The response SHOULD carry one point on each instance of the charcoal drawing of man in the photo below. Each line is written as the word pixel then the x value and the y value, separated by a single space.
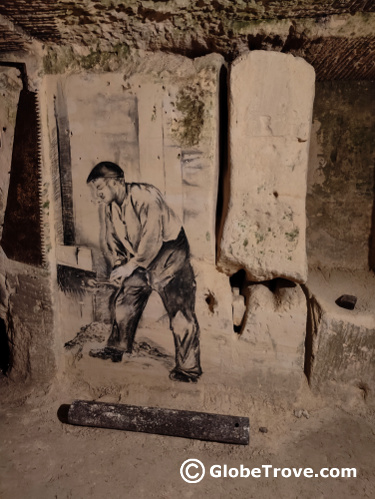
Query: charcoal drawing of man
pixel 150 252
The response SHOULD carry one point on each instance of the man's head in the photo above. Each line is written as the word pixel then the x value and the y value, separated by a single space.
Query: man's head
pixel 107 182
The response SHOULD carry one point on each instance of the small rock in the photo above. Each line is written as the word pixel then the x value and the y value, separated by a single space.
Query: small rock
pixel 301 412
pixel 346 301
pixel 263 429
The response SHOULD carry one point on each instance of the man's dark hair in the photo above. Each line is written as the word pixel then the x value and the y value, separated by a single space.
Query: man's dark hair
pixel 105 169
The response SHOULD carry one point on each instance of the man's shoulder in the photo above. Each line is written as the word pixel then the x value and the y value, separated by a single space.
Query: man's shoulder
pixel 143 194
pixel 137 190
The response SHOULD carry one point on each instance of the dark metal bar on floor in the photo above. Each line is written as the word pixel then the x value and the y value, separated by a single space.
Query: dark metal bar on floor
pixel 177 423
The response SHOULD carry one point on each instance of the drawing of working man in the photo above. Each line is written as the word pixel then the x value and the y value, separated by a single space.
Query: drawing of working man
pixel 150 253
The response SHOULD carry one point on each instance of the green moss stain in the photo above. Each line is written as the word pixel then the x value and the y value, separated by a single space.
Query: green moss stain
pixel 58 61
pixel 288 215
pixel 188 129
pixel 208 236
pixel 292 235
pixel 259 237
pixel 245 243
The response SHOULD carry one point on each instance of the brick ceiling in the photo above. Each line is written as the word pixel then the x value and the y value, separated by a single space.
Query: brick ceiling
pixel 336 36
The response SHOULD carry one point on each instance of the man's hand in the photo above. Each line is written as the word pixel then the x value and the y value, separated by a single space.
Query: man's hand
pixel 92 283
pixel 122 272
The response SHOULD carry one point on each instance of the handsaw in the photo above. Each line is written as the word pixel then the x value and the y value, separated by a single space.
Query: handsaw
pixel 22 237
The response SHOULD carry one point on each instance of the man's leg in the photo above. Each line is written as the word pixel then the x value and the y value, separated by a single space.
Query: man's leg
pixel 178 297
pixel 186 338
pixel 128 305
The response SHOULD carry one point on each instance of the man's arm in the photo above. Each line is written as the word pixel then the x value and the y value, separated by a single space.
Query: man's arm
pixel 148 205
pixel 112 247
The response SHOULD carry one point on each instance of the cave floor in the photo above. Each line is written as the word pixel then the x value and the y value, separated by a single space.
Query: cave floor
pixel 41 457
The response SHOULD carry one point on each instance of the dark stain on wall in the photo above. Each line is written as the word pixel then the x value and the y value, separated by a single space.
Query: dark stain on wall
pixel 5 359
pixel 65 166
pixel 341 177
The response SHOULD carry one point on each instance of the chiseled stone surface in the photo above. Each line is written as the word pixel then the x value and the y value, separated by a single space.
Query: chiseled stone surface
pixel 341 341
pixel 275 327
pixel 271 99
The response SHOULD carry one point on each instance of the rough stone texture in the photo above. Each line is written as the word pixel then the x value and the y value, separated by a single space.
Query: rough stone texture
pixel 271 97
pixel 12 37
pixel 29 321
pixel 338 47
pixel 337 37
pixel 341 343
pixel 55 20
pixel 275 327
pixel 340 196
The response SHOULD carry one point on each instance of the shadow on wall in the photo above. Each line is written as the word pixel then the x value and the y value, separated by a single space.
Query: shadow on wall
pixel 372 235
pixel 5 356
pixel 340 197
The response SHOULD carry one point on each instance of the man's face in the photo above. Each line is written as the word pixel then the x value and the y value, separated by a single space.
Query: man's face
pixel 103 190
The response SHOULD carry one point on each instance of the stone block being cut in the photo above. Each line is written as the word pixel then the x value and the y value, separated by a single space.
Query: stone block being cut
pixel 271 99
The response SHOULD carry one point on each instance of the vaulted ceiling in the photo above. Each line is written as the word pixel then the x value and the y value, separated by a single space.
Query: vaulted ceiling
pixel 336 36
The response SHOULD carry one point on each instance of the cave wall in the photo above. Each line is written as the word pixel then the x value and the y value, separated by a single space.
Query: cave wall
pixel 25 285
pixel 162 119
pixel 112 109
pixel 340 207
pixel 340 196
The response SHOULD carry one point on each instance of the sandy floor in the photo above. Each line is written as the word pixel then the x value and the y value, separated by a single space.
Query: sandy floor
pixel 41 457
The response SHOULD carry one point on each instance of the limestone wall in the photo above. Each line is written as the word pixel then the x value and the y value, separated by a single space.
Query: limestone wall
pixel 340 247
pixel 233 312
